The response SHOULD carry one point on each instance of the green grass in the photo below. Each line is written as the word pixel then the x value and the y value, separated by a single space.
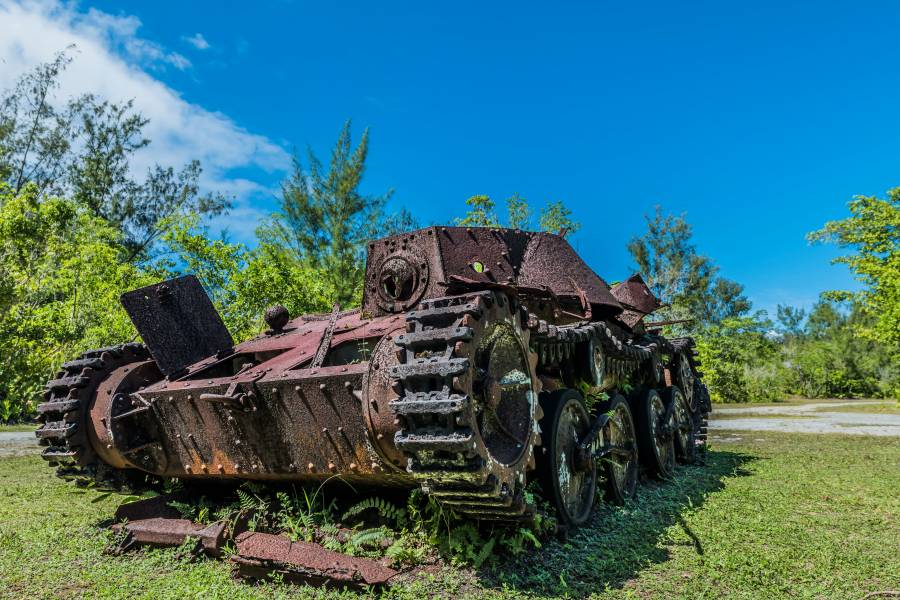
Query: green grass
pixel 792 401
pixel 19 427
pixel 889 407
pixel 790 516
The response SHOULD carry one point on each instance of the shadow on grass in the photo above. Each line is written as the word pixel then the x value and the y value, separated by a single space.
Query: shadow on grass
pixel 619 542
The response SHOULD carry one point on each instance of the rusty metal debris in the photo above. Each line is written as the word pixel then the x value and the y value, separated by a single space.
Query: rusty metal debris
pixel 438 381
pixel 153 522
pixel 165 532
pixel 260 554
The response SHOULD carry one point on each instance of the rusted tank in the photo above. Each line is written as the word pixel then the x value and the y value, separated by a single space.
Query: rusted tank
pixel 480 360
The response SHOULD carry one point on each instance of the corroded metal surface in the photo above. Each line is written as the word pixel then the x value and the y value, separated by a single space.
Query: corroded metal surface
pixel 153 522
pixel 259 555
pixel 443 260
pixel 166 532
pixel 636 299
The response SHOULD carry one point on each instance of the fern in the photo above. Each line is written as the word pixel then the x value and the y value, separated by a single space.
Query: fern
pixel 484 553
pixel 332 544
pixel 368 538
pixel 185 509
pixel 385 510
pixel 225 513
pixel 246 501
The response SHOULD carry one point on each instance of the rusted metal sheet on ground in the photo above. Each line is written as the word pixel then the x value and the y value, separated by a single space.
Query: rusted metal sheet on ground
pixel 154 522
pixel 167 532
pixel 260 554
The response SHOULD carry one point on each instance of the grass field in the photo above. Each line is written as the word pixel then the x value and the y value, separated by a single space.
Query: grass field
pixel 771 515
pixel 888 407
pixel 19 427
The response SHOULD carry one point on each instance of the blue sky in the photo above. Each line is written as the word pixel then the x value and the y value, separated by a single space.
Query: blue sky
pixel 758 120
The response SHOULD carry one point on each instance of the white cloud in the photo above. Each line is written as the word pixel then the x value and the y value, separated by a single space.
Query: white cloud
pixel 197 41
pixel 112 61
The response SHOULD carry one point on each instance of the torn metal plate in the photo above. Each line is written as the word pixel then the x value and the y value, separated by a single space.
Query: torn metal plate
pixel 178 322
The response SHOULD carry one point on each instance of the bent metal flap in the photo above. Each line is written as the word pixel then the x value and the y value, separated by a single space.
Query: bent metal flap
pixel 178 322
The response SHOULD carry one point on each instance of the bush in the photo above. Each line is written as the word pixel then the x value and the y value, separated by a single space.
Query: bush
pixel 61 274
pixel 739 361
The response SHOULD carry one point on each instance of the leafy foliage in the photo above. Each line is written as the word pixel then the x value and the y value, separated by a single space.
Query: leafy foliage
pixel 382 507
pixel 61 274
pixel 827 358
pixel 554 217
pixel 243 282
pixel 739 360
pixel 872 231
pixel 325 221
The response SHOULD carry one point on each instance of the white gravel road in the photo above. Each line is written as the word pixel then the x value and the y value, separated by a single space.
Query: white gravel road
pixel 18 443
pixel 812 417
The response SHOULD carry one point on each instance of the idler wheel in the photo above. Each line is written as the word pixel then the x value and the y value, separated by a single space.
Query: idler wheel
pixel 620 467
pixel 568 475
pixel 655 428
pixel 684 434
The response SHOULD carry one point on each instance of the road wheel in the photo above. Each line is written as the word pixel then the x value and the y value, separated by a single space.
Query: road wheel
pixel 685 434
pixel 567 475
pixel 620 466
pixel 655 427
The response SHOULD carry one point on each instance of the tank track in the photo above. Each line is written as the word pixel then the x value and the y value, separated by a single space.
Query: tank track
pixel 437 411
pixel 63 416
pixel 555 344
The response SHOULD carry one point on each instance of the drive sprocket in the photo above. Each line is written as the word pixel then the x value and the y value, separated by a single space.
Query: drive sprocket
pixel 468 406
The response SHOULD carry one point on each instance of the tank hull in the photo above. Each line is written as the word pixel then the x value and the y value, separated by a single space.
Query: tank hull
pixel 440 380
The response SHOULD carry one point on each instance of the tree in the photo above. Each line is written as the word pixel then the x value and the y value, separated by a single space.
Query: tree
pixel 34 134
pixel 685 281
pixel 829 360
pixel 481 213
pixel 242 282
pixel 740 362
pixel 872 232
pixel 556 218
pixel 84 151
pixel 518 211
pixel 325 221
pixel 790 320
